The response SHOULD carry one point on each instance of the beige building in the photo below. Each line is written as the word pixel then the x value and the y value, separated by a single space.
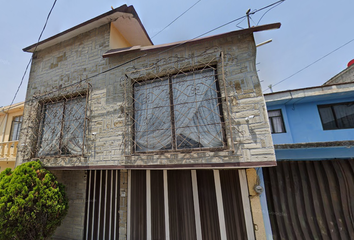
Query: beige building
pixel 152 142
pixel 10 126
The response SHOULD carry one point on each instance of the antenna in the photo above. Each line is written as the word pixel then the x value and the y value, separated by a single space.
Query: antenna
pixel 248 17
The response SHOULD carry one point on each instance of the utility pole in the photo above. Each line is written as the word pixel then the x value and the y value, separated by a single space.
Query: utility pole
pixel 248 17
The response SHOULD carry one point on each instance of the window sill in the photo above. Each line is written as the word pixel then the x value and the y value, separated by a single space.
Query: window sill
pixel 52 161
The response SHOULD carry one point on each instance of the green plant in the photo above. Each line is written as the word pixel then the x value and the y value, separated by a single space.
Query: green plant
pixel 32 202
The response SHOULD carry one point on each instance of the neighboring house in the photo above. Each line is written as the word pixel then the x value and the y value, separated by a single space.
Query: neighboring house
pixel 10 126
pixel 152 142
pixel 309 193
pixel 347 75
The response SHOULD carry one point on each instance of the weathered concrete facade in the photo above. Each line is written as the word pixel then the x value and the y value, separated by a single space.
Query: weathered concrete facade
pixel 249 141
pixel 72 226
pixel 85 64
pixel 345 76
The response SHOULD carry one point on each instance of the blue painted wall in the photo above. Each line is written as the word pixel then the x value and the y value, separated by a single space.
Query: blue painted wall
pixel 303 123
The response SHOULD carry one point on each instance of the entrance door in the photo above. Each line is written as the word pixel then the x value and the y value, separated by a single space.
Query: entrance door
pixel 185 204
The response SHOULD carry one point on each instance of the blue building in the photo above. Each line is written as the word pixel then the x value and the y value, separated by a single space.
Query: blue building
pixel 308 195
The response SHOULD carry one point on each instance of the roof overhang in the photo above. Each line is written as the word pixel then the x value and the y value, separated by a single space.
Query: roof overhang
pixel 315 150
pixel 114 52
pixel 310 94
pixel 12 108
pixel 124 18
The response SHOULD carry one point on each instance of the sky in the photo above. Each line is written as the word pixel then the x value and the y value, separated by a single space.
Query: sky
pixel 310 30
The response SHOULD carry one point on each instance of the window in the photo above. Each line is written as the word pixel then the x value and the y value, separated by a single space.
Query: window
pixel 276 121
pixel 62 127
pixel 178 112
pixel 15 128
pixel 337 116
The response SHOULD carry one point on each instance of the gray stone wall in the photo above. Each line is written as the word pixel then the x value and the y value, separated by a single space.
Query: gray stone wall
pixel 345 76
pixel 72 226
pixel 108 135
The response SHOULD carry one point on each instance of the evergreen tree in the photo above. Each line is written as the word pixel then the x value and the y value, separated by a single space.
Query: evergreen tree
pixel 32 202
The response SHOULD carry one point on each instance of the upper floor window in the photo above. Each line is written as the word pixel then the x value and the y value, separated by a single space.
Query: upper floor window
pixel 15 128
pixel 62 127
pixel 178 112
pixel 337 116
pixel 276 121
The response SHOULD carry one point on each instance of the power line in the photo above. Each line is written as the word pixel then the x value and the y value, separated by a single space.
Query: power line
pixel 175 19
pixel 144 55
pixel 302 69
pixel 30 61
pixel 276 5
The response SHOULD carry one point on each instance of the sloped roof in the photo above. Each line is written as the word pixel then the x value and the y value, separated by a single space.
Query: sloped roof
pixel 124 18
pixel 113 52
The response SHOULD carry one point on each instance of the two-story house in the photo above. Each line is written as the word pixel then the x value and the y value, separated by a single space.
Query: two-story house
pixel 308 193
pixel 10 126
pixel 152 142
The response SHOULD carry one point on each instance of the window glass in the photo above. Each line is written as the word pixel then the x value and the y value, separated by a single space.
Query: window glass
pixel 337 116
pixel 15 128
pixel 152 116
pixel 179 112
pixel 276 121
pixel 62 128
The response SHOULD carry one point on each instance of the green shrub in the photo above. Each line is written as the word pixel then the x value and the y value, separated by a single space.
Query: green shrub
pixel 32 202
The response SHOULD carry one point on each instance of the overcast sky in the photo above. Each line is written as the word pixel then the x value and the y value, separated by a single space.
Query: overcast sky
pixel 310 29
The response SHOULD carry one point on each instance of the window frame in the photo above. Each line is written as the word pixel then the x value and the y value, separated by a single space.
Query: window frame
pixel 42 107
pixel 19 129
pixel 271 120
pixel 331 105
pixel 173 129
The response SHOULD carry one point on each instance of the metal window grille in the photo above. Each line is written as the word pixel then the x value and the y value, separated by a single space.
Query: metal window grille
pixel 55 123
pixel 179 110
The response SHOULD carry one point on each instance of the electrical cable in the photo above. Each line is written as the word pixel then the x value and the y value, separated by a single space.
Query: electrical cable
pixel 269 10
pixel 175 19
pixel 30 61
pixel 302 69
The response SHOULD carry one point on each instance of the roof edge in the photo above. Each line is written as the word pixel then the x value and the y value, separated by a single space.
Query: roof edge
pixel 123 9
pixel 6 109
pixel 271 26
pixel 290 94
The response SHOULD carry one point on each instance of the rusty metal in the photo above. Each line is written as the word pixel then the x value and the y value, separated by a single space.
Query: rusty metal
pixel 227 103
pixel 62 113
pixel 311 199
pixel 137 77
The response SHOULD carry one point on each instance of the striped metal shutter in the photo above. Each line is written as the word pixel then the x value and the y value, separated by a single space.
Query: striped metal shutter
pixel 311 199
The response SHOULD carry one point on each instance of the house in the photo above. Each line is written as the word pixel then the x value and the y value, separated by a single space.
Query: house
pixel 10 125
pixel 152 142
pixel 308 193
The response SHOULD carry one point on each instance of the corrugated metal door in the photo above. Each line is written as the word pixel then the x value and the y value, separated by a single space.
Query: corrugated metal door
pixel 186 204
pixel 311 199
pixel 102 205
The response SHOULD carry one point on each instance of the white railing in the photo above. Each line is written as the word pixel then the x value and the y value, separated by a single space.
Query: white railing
pixel 8 149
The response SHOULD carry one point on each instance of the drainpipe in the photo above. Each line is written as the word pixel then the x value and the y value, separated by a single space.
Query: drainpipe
pixel 3 132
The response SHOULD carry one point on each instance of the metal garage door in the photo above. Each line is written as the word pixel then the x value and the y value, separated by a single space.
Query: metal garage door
pixel 311 199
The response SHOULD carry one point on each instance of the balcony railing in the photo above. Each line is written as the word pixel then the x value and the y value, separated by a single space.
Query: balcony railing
pixel 8 149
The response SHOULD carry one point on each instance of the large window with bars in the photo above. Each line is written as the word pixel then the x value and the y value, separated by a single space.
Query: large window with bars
pixel 178 112
pixel 61 132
